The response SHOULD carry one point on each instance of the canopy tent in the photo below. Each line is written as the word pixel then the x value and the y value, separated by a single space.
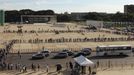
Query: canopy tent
pixel 83 61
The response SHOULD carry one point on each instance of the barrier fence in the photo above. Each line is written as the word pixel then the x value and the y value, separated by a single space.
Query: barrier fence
pixel 114 65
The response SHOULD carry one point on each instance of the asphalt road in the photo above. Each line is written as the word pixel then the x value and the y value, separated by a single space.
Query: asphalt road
pixel 26 59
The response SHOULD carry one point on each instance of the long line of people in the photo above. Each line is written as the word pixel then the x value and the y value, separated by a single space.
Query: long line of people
pixel 45 31
pixel 33 67
pixel 63 40
pixel 70 31
pixel 4 52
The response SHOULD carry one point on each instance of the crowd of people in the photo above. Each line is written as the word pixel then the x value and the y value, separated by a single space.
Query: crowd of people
pixel 69 31
pixel 22 67
pixel 37 67
pixel 4 52
pixel 118 32
pixel 45 31
pixel 63 40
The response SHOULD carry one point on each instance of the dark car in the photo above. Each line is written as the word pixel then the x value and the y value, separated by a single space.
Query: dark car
pixel 68 52
pixel 79 54
pixel 37 56
pixel 61 55
pixel 86 51
pixel 45 53
pixel 133 50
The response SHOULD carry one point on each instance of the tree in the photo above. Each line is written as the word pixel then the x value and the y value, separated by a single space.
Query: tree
pixel 26 12
pixel 12 16
pixel 44 12
pixel 118 17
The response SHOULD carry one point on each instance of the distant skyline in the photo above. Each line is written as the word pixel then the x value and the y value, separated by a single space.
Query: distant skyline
pixel 61 6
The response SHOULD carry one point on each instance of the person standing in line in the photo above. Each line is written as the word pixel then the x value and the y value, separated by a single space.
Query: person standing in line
pixel 66 65
pixel 47 68
pixel 32 66
pixel 19 54
pixel 98 64
pixel 8 66
pixel 16 66
pixel 71 65
pixel 24 68
pixel 38 66
pixel 58 68
pixel 11 65
pixel 109 64
pixel 19 67
pixel 89 69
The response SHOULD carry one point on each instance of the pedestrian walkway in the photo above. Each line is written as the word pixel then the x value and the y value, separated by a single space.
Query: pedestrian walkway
pixel 116 72
pixel 30 72
pixel 42 72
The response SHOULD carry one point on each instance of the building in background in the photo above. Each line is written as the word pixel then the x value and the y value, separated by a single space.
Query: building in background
pixel 129 9
pixel 2 17
pixel 38 19
pixel 97 24
pixel 78 16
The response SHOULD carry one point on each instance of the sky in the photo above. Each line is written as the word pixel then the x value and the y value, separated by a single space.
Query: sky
pixel 61 6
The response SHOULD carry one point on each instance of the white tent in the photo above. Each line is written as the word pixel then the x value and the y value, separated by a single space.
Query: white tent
pixel 83 61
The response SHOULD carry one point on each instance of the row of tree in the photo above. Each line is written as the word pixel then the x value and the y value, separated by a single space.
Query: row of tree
pixel 15 16
pixel 117 17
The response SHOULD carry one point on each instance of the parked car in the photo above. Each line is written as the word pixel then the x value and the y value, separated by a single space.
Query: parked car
pixel 78 54
pixel 133 50
pixel 46 53
pixel 70 53
pixel 86 51
pixel 61 55
pixel 38 56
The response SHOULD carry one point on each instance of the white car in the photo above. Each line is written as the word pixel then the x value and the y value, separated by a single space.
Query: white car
pixel 46 53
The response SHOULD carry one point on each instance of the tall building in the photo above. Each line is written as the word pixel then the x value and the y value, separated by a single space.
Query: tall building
pixel 128 8
pixel 2 17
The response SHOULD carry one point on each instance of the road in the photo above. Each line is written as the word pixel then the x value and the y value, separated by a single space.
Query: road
pixel 26 59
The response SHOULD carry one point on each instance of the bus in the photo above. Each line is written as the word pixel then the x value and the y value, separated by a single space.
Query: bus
pixel 113 50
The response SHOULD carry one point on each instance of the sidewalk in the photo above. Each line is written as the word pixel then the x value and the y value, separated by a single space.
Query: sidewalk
pixel 105 72
pixel 116 72
pixel 52 71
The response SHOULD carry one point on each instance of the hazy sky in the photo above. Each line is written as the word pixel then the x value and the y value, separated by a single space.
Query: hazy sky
pixel 110 6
